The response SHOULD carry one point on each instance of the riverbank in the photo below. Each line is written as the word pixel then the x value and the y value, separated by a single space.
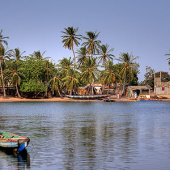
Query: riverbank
pixel 57 99
pixel 64 99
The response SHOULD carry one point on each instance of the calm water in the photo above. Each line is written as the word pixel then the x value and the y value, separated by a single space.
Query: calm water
pixel 89 135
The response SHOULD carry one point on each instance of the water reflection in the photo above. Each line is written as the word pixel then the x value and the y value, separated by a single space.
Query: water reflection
pixel 95 143
pixel 90 135
pixel 13 160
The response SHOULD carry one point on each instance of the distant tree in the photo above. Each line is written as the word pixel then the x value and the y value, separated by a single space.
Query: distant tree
pixel 108 76
pixel 149 77
pixel 129 67
pixel 71 80
pixel 81 55
pixel 90 72
pixel 15 72
pixel 105 54
pixel 56 82
pixel 3 56
pixel 91 42
pixel 71 39
pixel 33 87
pixel 64 66
pixel 39 55
pixel 168 58
pixel 17 54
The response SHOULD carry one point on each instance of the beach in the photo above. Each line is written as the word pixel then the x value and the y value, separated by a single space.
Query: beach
pixel 65 99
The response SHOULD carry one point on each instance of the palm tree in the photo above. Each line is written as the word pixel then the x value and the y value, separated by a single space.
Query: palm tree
pixel 56 83
pixel 64 65
pixel 48 70
pixel 92 44
pixel 108 75
pixel 89 71
pixel 81 55
pixel 16 54
pixel 3 55
pixel 104 54
pixel 17 76
pixel 71 81
pixel 38 55
pixel 129 66
pixel 168 58
pixel 70 39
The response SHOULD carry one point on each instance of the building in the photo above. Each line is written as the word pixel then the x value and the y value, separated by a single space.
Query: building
pixel 133 91
pixel 162 83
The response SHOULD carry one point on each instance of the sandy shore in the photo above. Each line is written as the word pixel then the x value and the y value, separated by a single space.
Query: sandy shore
pixel 64 99
pixel 56 99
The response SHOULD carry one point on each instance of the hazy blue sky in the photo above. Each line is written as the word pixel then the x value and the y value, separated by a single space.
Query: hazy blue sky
pixel 138 26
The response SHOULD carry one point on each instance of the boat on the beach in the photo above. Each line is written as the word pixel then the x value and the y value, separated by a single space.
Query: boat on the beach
pixel 12 141
pixel 86 96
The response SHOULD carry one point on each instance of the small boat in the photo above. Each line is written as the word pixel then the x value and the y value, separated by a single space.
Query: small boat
pixel 13 142
pixel 109 100
pixel 86 97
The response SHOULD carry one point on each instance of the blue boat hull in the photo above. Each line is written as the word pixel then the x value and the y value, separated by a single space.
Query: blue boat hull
pixel 18 146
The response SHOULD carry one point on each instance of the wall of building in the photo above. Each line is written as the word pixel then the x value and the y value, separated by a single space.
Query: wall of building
pixel 162 88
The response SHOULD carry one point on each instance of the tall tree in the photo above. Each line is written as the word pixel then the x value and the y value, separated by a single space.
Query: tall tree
pixel 149 77
pixel 71 81
pixel 17 54
pixel 65 65
pixel 129 66
pixel 39 55
pixel 105 54
pixel 15 72
pixel 81 55
pixel 70 39
pixel 108 76
pixel 89 72
pixel 91 42
pixel 3 55
pixel 56 83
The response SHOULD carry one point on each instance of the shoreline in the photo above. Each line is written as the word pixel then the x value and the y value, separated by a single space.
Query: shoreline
pixel 64 99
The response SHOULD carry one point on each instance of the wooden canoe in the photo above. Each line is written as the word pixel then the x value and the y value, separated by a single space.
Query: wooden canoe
pixel 13 141
pixel 86 97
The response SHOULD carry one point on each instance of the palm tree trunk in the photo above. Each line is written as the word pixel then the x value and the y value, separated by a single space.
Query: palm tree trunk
pixel 124 84
pixel 16 85
pixel 2 79
pixel 59 93
pixel 74 57
pixel 71 92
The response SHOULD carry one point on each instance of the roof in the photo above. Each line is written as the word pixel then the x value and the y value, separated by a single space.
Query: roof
pixel 139 87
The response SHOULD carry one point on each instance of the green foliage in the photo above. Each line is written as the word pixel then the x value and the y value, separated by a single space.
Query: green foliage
pixel 107 76
pixel 89 70
pixel 33 86
pixel 149 77
pixel 70 37
pixel 105 54
pixel 91 42
pixel 34 74
pixel 71 80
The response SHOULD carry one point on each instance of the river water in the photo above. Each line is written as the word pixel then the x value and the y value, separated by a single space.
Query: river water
pixel 100 136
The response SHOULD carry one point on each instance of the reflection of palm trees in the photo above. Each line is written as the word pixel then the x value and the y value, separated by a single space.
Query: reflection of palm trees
pixel 16 161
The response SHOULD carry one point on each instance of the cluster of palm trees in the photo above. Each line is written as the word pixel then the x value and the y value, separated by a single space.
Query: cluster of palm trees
pixel 92 62
pixel 92 54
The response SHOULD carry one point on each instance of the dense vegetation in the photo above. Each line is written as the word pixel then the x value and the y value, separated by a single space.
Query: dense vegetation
pixel 92 62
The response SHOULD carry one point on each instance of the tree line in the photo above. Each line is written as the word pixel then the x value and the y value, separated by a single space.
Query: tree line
pixel 92 62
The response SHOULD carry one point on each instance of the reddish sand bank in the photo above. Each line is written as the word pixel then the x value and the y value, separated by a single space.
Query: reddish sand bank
pixel 55 99
pixel 64 99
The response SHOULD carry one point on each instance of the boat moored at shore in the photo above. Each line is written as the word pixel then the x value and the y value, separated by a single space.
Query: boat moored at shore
pixel 13 142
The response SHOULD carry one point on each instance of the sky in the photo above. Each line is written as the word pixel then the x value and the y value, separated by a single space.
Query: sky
pixel 138 26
